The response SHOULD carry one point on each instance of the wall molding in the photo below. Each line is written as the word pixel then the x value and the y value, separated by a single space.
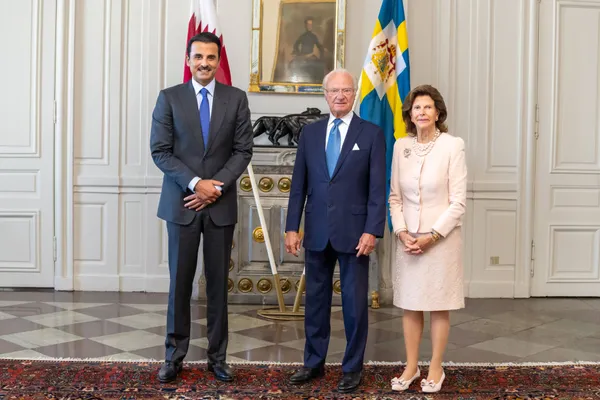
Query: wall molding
pixel 495 289
pixel 97 283
pixel 144 283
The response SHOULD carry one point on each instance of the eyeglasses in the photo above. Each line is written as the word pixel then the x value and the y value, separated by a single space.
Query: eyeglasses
pixel 335 92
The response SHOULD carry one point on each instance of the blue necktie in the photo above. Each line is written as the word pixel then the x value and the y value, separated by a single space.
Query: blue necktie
pixel 205 116
pixel 333 146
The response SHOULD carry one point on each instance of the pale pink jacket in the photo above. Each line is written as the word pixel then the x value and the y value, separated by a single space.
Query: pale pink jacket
pixel 428 192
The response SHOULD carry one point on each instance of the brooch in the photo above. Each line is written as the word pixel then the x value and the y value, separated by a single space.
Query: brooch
pixel 406 153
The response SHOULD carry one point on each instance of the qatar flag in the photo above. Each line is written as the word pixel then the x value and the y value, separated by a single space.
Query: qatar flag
pixel 203 18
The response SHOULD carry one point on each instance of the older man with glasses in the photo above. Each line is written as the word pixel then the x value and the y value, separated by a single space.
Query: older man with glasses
pixel 340 172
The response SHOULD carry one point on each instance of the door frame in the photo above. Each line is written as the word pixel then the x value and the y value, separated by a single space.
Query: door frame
pixel 63 145
pixel 526 184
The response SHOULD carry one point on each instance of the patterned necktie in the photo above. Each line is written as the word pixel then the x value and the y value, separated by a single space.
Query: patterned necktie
pixel 333 146
pixel 205 116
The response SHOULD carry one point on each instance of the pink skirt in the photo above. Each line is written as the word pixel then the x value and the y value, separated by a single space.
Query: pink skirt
pixel 432 281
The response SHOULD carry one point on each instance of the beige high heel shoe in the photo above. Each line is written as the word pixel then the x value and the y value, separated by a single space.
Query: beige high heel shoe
pixel 431 386
pixel 400 385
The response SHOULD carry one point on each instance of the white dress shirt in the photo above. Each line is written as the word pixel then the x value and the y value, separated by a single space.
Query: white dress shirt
pixel 211 90
pixel 343 127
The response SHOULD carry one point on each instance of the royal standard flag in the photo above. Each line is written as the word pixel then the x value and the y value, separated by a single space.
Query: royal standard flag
pixel 385 78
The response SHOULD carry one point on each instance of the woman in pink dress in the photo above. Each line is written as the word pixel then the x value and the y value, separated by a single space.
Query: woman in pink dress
pixel 427 202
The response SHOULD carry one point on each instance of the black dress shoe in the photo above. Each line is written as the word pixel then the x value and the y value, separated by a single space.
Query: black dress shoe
pixel 221 370
pixel 349 382
pixel 306 374
pixel 168 371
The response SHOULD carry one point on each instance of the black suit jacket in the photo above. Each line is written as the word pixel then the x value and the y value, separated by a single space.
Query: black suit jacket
pixel 178 149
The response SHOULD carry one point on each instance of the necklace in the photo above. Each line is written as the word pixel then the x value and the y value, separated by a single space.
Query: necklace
pixel 422 149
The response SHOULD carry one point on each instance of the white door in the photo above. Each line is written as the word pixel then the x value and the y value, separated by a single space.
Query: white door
pixel 27 143
pixel 567 205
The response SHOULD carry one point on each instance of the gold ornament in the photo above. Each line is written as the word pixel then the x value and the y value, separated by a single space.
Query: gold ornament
pixel 264 286
pixel 265 184
pixel 286 285
pixel 245 285
pixel 337 286
pixel 245 184
pixel 284 185
pixel 258 235
pixel 374 299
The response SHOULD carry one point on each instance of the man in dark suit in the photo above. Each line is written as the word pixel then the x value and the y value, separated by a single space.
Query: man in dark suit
pixel 340 172
pixel 201 140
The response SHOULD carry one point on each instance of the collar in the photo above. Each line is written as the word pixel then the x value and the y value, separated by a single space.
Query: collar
pixel 210 87
pixel 345 119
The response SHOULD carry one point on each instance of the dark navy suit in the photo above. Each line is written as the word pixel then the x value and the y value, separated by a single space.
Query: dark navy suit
pixel 339 209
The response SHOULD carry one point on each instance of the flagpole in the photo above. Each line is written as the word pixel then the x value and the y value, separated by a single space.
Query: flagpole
pixel 301 286
pixel 263 224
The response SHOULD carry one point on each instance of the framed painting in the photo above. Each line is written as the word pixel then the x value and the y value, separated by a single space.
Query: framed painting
pixel 295 43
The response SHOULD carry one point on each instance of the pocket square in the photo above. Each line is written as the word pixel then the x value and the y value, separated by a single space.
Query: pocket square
pixel 355 147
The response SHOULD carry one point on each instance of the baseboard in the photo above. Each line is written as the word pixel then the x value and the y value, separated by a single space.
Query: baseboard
pixel 97 283
pixel 484 289
pixel 123 283
pixel 63 283
pixel 144 283
pixel 522 291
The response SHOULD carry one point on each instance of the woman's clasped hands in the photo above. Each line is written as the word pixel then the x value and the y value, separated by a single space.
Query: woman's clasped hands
pixel 414 245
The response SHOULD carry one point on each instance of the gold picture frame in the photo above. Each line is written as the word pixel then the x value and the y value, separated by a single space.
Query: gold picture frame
pixel 295 43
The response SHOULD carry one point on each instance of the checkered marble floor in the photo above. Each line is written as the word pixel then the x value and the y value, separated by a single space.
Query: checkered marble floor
pixel 125 326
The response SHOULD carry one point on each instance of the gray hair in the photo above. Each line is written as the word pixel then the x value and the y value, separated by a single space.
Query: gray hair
pixel 340 71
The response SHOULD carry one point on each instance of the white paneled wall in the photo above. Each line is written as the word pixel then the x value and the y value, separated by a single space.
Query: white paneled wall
pixel 115 55
pixel 485 78
pixel 26 143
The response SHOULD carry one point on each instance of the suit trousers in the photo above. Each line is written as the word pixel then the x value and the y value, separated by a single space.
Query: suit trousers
pixel 354 274
pixel 184 241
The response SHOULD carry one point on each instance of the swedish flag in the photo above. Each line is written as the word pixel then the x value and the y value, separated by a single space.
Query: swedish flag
pixel 385 78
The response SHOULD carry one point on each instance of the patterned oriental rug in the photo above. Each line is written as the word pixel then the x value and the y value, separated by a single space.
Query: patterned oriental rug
pixel 57 379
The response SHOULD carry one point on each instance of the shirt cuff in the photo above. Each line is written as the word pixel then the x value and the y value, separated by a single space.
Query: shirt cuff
pixel 192 184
